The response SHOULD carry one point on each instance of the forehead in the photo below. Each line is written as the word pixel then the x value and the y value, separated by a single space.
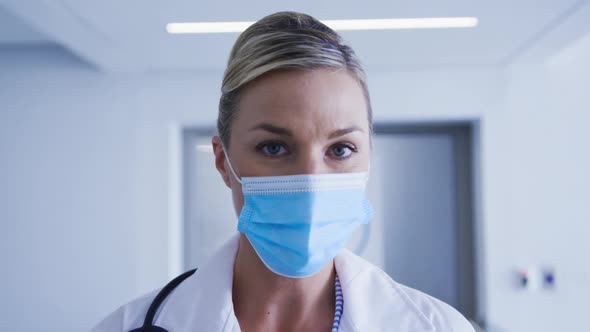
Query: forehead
pixel 310 100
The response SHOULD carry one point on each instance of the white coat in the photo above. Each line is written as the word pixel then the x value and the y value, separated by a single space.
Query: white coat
pixel 372 302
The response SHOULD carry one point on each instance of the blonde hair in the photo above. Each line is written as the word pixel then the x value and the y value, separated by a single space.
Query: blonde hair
pixel 284 40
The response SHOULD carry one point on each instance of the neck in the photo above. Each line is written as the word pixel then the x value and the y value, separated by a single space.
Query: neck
pixel 265 300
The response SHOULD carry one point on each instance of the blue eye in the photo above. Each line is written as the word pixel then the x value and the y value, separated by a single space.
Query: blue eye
pixel 272 149
pixel 342 151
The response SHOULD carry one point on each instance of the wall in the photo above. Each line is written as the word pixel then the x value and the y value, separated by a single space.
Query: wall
pixel 536 157
pixel 83 185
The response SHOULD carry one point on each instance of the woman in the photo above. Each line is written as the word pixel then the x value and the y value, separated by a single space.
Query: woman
pixel 294 147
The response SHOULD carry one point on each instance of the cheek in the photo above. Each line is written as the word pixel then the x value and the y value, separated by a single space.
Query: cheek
pixel 362 165
pixel 367 157
pixel 363 158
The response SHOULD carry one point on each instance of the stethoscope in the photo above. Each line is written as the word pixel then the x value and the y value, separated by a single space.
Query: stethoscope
pixel 148 323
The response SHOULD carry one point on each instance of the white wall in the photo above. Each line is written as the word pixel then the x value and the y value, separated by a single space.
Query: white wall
pixel 84 179
pixel 536 162
pixel 83 185
pixel 534 181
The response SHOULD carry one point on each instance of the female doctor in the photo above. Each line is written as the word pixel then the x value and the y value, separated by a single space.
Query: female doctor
pixel 293 146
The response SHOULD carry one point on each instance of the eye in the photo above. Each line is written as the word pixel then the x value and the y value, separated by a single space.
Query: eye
pixel 342 151
pixel 272 149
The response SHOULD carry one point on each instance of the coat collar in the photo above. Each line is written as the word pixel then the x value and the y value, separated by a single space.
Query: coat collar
pixel 372 300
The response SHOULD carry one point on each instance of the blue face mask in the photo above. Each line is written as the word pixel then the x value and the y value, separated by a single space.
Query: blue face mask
pixel 299 223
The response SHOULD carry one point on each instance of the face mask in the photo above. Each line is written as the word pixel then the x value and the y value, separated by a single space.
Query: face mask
pixel 299 223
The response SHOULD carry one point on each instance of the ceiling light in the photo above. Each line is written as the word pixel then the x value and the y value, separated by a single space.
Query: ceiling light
pixel 340 25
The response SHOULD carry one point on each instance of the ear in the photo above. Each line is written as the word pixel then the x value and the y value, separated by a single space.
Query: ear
pixel 220 159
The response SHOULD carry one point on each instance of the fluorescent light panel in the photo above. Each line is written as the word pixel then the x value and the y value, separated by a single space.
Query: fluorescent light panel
pixel 340 25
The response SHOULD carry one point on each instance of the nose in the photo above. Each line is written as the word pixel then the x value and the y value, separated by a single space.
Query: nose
pixel 311 161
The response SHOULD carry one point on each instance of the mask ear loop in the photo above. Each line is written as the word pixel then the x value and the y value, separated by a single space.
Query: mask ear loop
pixel 229 163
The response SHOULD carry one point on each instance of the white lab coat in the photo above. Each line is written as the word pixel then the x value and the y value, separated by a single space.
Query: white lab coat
pixel 372 302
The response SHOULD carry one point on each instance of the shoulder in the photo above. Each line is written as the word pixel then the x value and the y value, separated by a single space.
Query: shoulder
pixel 376 301
pixel 439 314
pixel 202 301
pixel 442 316
pixel 127 317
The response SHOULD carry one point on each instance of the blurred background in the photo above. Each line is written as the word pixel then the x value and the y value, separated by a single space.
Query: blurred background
pixel 480 174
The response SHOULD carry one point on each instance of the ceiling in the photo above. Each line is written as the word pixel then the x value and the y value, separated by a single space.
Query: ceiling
pixel 130 35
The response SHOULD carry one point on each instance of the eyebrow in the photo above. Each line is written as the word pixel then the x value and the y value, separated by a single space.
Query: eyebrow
pixel 272 129
pixel 342 132
pixel 286 132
